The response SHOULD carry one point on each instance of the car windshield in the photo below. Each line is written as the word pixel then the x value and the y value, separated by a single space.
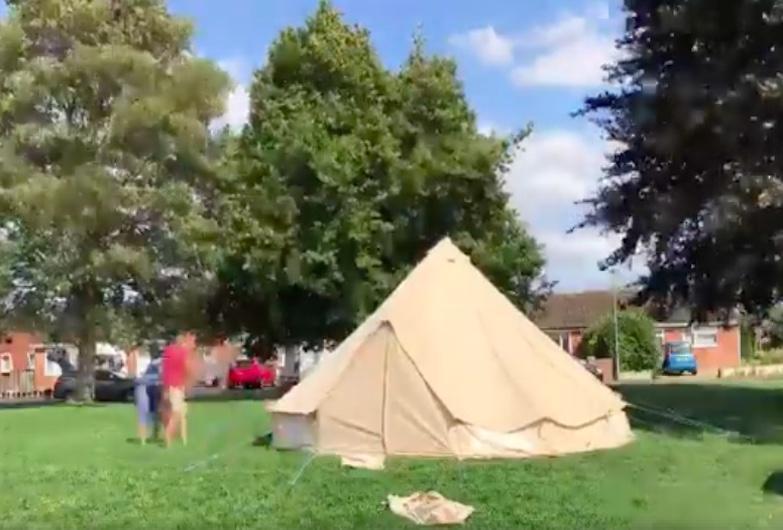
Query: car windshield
pixel 679 348
pixel 244 364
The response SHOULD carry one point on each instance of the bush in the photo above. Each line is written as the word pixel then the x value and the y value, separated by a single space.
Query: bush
pixel 766 357
pixel 747 341
pixel 638 348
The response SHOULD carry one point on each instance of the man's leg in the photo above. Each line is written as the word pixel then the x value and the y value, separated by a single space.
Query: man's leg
pixel 177 404
pixel 183 426
pixel 172 425
pixel 183 417
pixel 168 416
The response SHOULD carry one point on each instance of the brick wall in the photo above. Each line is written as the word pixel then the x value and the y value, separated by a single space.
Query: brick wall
pixel 18 345
pixel 26 377
pixel 607 367
pixel 726 354
pixel 574 339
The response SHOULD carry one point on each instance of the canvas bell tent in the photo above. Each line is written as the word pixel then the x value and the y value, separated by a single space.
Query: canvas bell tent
pixel 447 366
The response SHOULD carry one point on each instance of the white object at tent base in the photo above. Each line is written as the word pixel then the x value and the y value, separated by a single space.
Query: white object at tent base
pixel 373 462
pixel 429 508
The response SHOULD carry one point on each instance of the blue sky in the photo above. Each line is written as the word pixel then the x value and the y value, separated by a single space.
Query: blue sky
pixel 523 61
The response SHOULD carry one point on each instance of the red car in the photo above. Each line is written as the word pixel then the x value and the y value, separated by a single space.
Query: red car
pixel 250 374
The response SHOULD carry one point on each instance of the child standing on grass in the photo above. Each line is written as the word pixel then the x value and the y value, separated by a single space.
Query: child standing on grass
pixel 147 398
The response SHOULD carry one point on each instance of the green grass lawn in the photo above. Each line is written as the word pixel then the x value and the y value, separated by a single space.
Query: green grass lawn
pixel 75 467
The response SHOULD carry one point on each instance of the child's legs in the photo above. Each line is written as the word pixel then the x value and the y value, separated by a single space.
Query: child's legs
pixel 142 410
pixel 153 394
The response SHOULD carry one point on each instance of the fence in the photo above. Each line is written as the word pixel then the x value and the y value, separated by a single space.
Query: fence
pixel 18 385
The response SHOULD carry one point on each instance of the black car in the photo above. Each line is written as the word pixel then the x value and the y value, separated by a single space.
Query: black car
pixel 109 386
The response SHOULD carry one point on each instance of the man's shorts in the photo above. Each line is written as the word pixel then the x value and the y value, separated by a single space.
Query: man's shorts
pixel 176 399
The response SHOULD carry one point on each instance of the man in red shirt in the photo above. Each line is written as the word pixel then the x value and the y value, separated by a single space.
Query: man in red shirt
pixel 176 375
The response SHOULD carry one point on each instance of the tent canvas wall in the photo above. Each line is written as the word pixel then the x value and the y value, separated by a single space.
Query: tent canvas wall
pixel 447 366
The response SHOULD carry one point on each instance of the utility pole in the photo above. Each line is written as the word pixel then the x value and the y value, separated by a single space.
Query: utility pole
pixel 616 328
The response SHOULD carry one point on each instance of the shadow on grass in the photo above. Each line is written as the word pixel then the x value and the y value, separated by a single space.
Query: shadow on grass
pixel 28 404
pixel 774 484
pixel 265 441
pixel 215 394
pixel 750 414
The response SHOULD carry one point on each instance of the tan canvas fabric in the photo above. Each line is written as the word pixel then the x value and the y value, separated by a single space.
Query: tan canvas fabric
pixel 541 439
pixel 451 355
pixel 414 421
pixel 350 417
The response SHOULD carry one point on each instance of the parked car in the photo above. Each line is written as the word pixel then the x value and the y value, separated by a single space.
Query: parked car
pixel 678 358
pixel 109 386
pixel 249 373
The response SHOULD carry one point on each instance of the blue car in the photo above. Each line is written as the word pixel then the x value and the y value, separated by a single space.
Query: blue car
pixel 678 359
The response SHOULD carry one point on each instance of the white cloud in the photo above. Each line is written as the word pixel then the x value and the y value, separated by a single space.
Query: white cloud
pixel 238 100
pixel 567 29
pixel 237 109
pixel 489 46
pixel 555 168
pixel 490 128
pixel 552 171
pixel 571 52
pixel 238 68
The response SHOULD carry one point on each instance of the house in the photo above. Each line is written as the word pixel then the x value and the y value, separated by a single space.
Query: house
pixel 296 362
pixel 565 317
pixel 25 368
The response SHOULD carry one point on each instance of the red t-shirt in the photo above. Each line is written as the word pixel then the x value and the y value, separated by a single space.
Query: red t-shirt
pixel 175 359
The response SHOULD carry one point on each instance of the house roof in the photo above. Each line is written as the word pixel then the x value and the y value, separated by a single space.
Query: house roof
pixel 581 310
pixel 576 310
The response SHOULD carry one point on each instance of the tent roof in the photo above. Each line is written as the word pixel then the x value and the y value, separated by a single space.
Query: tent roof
pixel 480 356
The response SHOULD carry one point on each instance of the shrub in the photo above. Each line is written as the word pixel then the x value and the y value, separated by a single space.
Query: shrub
pixel 747 341
pixel 638 348
pixel 766 357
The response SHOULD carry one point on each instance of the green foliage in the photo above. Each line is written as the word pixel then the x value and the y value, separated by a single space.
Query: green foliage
pixel 638 347
pixel 346 175
pixel 697 184
pixel 772 326
pixel 747 340
pixel 766 357
pixel 105 179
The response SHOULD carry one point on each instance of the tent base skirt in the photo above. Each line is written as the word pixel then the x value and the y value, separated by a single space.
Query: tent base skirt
pixel 543 439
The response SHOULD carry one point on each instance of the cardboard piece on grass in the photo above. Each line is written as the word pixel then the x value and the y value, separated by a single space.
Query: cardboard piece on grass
pixel 372 462
pixel 429 509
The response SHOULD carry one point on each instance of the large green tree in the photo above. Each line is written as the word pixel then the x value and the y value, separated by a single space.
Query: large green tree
pixel 105 182
pixel 346 174
pixel 697 183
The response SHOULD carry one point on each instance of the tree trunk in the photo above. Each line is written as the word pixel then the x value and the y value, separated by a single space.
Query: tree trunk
pixel 85 374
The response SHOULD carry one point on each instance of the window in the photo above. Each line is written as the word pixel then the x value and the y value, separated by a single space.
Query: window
pixel 561 339
pixel 31 360
pixel 705 337
pixel 52 368
pixel 6 363
pixel 660 336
